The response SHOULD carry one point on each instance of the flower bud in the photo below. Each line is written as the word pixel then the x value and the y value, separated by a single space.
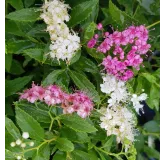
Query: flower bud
pixel 18 142
pixel 12 144
pixel 25 135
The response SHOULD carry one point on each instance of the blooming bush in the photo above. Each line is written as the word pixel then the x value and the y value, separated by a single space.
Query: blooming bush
pixel 82 80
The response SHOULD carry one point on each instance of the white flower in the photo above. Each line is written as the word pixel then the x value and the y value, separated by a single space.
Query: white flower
pixel 12 144
pixel 64 43
pixel 31 144
pixel 136 101
pixel 19 157
pixel 18 141
pixel 118 121
pixel 116 89
pixel 23 145
pixel 25 135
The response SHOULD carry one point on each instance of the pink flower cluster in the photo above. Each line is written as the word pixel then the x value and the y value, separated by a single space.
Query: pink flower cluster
pixel 53 95
pixel 133 38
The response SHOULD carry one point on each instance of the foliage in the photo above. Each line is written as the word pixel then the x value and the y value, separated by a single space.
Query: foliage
pixel 58 136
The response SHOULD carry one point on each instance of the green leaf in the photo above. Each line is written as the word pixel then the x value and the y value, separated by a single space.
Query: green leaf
pixel 79 155
pixel 17 4
pixel 151 6
pixel 139 143
pixel 52 77
pixel 12 28
pixel 149 77
pixel 93 53
pixel 36 53
pixel 8 61
pixel 17 47
pixel 35 111
pixel 119 17
pixel 152 153
pixel 12 129
pixel 29 124
pixel 28 3
pixel 77 123
pixel 9 155
pixel 109 142
pixel 85 85
pixel 86 65
pixel 43 153
pixel 24 15
pixel 89 32
pixel 154 98
pixel 13 86
pixel 81 12
pixel 128 4
pixel 64 144
pixel 76 57
pixel 59 156
pixel 152 127
pixel 79 137
pixel 16 68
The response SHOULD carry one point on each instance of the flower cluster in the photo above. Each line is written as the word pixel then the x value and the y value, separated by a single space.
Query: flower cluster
pixel 118 121
pixel 22 144
pixel 133 38
pixel 64 43
pixel 114 88
pixel 53 95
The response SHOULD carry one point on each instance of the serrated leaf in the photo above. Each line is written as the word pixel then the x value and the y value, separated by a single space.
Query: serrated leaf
pixel 17 4
pixel 81 155
pixel 79 137
pixel 13 86
pixel 35 53
pixel 86 65
pixel 16 47
pixel 119 17
pixel 8 61
pixel 52 77
pixel 77 123
pixel 81 12
pixel 24 15
pixel 64 144
pixel 85 85
pixel 43 153
pixel 12 28
pixel 12 129
pixel 29 124
pixel 35 111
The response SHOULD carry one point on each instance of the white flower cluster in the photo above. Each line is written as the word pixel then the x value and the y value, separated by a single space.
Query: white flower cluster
pixel 116 118
pixel 136 101
pixel 118 121
pixel 116 89
pixel 22 144
pixel 65 43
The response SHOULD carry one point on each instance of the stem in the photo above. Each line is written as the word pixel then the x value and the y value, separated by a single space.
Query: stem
pixel 153 24
pixel 37 148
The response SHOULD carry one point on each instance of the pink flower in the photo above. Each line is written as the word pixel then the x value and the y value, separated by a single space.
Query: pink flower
pixel 99 26
pixel 91 43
